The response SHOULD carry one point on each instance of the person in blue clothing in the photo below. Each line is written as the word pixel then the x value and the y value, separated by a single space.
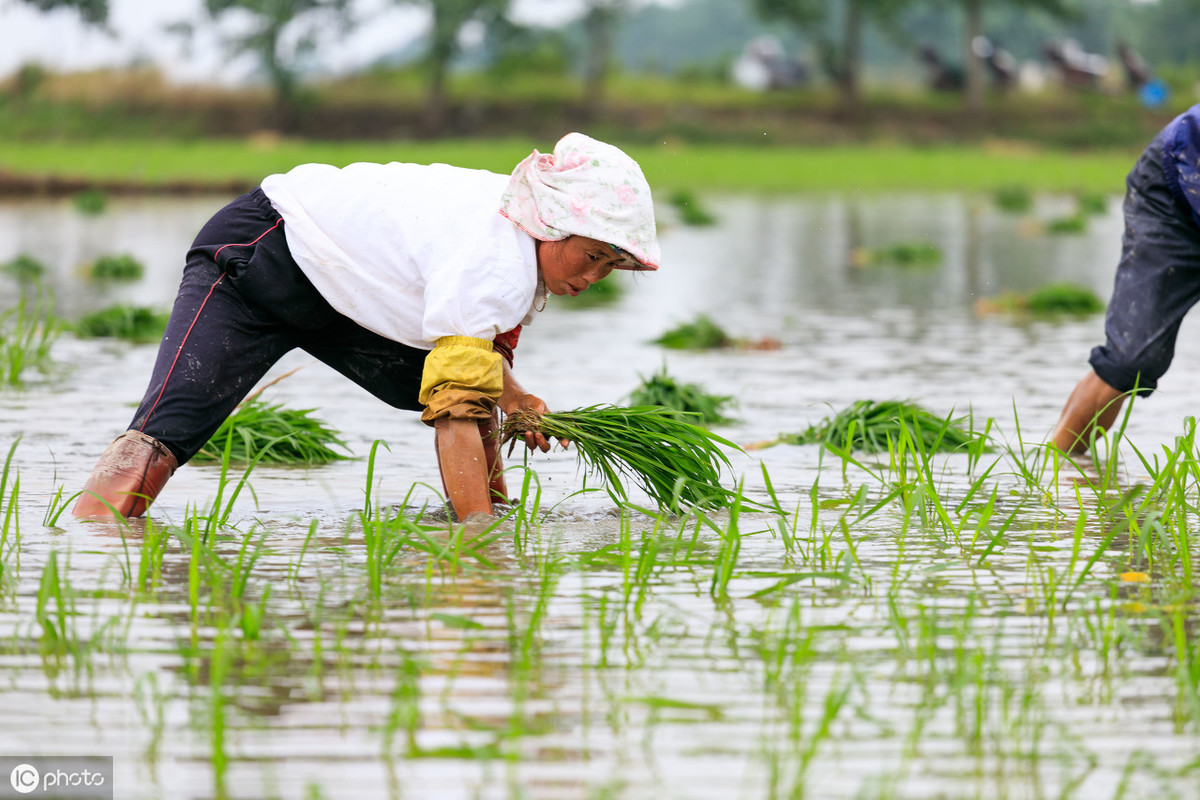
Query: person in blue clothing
pixel 1157 283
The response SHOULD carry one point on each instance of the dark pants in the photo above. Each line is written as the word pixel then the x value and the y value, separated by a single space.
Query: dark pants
pixel 1157 282
pixel 242 305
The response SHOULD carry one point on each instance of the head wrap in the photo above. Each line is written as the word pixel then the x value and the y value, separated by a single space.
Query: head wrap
pixel 585 188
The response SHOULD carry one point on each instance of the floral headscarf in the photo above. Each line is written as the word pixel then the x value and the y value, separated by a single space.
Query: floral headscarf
pixel 585 188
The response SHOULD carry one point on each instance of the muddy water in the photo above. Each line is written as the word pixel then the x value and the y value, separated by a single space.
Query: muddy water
pixel 548 671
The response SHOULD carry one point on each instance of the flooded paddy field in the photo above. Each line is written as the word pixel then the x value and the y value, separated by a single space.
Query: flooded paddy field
pixel 998 624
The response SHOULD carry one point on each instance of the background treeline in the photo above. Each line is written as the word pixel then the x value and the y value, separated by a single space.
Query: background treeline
pixel 906 70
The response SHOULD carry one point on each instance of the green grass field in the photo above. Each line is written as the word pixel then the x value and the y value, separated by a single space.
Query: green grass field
pixel 668 165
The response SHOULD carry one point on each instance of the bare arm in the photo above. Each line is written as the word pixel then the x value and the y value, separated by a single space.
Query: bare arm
pixel 515 398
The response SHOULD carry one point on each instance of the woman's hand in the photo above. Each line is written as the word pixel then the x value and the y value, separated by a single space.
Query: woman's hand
pixel 523 401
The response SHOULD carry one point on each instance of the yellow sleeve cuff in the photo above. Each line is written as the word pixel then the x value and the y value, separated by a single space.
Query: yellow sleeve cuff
pixel 462 379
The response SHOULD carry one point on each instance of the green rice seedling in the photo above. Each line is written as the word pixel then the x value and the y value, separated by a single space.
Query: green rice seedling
pixel 1091 203
pixel 691 212
pixel 24 267
pixel 55 612
pixel 700 334
pixel 600 294
pixel 870 426
pixel 1064 298
pixel 1073 223
pixel 90 202
pixel 27 332
pixel 677 463
pixel 900 254
pixel 116 268
pixel 1014 199
pixel 274 435
pixel 137 324
pixel 660 389
pixel 727 552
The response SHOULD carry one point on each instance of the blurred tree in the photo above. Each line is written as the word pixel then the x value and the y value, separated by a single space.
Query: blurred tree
pixel 279 34
pixel 449 19
pixel 840 55
pixel 94 12
pixel 600 22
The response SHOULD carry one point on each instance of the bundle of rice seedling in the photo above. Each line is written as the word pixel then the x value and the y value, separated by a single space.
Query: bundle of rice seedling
pixel 601 293
pixel 256 426
pixel 134 323
pixel 1014 199
pixel 689 208
pixel 1064 298
pixel 677 463
pixel 1072 223
pixel 24 267
pixel 1053 298
pixel 116 268
pixel 700 334
pixel 868 426
pixel 660 389
pixel 902 254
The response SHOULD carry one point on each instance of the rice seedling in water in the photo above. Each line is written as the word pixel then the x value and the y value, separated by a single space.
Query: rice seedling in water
pixel 24 267
pixel 660 389
pixel 901 254
pixel 1013 199
pixel 1064 298
pixel 1075 223
pixel 116 268
pixel 871 426
pixel 274 435
pixel 601 293
pixel 27 332
pixel 678 463
pixel 690 210
pixel 134 323
pixel 700 334
pixel 1054 298
pixel 1091 203
pixel 91 202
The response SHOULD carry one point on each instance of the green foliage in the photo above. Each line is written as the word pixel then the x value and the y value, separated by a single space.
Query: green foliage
pixel 116 268
pixel 1064 298
pixel 94 12
pixel 700 334
pixel 24 267
pixel 282 436
pixel 1014 198
pixel 678 463
pixel 135 323
pixel 660 389
pixel 91 202
pixel 871 426
pixel 689 208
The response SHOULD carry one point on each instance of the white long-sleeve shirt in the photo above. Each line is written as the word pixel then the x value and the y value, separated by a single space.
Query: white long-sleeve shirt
pixel 412 252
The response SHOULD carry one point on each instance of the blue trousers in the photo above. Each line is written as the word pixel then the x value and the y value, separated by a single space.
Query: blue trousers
pixel 243 303
pixel 1157 280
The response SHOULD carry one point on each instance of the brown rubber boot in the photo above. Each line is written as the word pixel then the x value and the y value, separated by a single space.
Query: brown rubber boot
pixel 130 474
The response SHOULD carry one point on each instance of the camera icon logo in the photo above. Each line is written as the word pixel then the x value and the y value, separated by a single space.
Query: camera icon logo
pixel 24 778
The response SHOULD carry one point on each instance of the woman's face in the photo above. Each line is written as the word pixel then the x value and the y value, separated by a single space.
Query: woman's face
pixel 571 265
